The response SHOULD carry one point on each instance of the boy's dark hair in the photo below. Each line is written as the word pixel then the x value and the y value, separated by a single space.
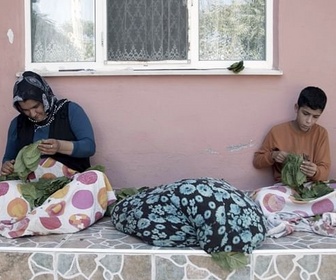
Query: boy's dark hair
pixel 312 97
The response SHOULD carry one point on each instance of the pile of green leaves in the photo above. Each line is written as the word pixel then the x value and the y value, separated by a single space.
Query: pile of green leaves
pixel 312 191
pixel 292 176
pixel 38 192
pixel 9 177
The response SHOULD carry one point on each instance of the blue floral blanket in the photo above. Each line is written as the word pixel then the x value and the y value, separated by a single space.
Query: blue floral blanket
pixel 205 212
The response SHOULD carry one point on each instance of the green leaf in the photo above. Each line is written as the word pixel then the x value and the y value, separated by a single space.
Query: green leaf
pixel 230 260
pixel 27 160
pixel 291 175
pixel 97 167
pixel 122 194
pixel 19 165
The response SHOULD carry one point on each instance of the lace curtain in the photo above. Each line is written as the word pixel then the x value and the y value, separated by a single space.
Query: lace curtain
pixel 147 30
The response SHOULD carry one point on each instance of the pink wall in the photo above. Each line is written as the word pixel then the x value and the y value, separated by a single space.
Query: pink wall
pixel 152 130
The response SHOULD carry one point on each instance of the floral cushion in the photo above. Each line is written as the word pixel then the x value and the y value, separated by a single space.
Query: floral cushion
pixel 205 212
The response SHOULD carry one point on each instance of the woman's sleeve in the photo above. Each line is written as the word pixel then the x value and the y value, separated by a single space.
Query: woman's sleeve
pixel 12 149
pixel 85 145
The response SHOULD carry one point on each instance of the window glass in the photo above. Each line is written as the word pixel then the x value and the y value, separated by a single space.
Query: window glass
pixel 156 34
pixel 62 30
pixel 232 30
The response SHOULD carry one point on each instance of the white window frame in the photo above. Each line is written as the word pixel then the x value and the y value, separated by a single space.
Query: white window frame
pixel 102 66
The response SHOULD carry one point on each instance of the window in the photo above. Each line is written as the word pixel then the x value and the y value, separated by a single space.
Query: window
pixel 148 34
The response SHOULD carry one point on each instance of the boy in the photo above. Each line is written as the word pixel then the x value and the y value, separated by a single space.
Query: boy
pixel 300 136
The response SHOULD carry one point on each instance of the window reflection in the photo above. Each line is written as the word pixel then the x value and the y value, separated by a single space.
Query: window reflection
pixel 63 31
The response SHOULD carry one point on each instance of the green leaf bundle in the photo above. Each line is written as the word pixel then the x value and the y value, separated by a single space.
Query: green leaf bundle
pixel 27 160
pixel 291 175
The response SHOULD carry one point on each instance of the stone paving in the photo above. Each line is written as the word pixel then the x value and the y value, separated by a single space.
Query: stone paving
pixel 101 252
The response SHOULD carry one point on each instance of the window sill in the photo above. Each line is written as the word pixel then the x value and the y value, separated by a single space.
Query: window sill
pixel 158 72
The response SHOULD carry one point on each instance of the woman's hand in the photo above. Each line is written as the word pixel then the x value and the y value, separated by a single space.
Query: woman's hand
pixel 53 146
pixel 7 167
pixel 49 146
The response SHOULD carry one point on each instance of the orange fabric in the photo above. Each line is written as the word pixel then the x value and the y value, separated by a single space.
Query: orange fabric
pixel 284 137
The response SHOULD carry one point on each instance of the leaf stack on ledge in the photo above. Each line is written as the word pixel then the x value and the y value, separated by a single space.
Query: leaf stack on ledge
pixel 236 67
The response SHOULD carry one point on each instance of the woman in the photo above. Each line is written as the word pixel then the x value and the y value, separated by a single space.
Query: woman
pixel 66 143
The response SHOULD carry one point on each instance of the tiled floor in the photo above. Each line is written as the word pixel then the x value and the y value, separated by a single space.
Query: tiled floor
pixel 101 252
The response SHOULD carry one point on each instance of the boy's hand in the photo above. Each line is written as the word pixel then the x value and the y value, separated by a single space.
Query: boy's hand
pixel 279 156
pixel 7 167
pixel 308 168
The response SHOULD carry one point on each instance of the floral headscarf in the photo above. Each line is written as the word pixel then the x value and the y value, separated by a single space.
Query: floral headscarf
pixel 32 86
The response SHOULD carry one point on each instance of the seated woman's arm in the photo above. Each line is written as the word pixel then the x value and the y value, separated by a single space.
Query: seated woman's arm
pixel 12 146
pixel 85 145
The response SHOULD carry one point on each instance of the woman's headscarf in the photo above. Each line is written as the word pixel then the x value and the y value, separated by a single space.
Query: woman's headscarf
pixel 31 86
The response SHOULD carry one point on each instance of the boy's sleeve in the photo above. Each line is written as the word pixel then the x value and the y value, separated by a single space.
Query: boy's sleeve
pixel 322 159
pixel 263 157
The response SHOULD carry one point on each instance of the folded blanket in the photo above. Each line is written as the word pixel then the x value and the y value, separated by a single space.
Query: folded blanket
pixel 284 223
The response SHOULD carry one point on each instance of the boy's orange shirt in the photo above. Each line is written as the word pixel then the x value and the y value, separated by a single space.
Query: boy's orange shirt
pixel 284 137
